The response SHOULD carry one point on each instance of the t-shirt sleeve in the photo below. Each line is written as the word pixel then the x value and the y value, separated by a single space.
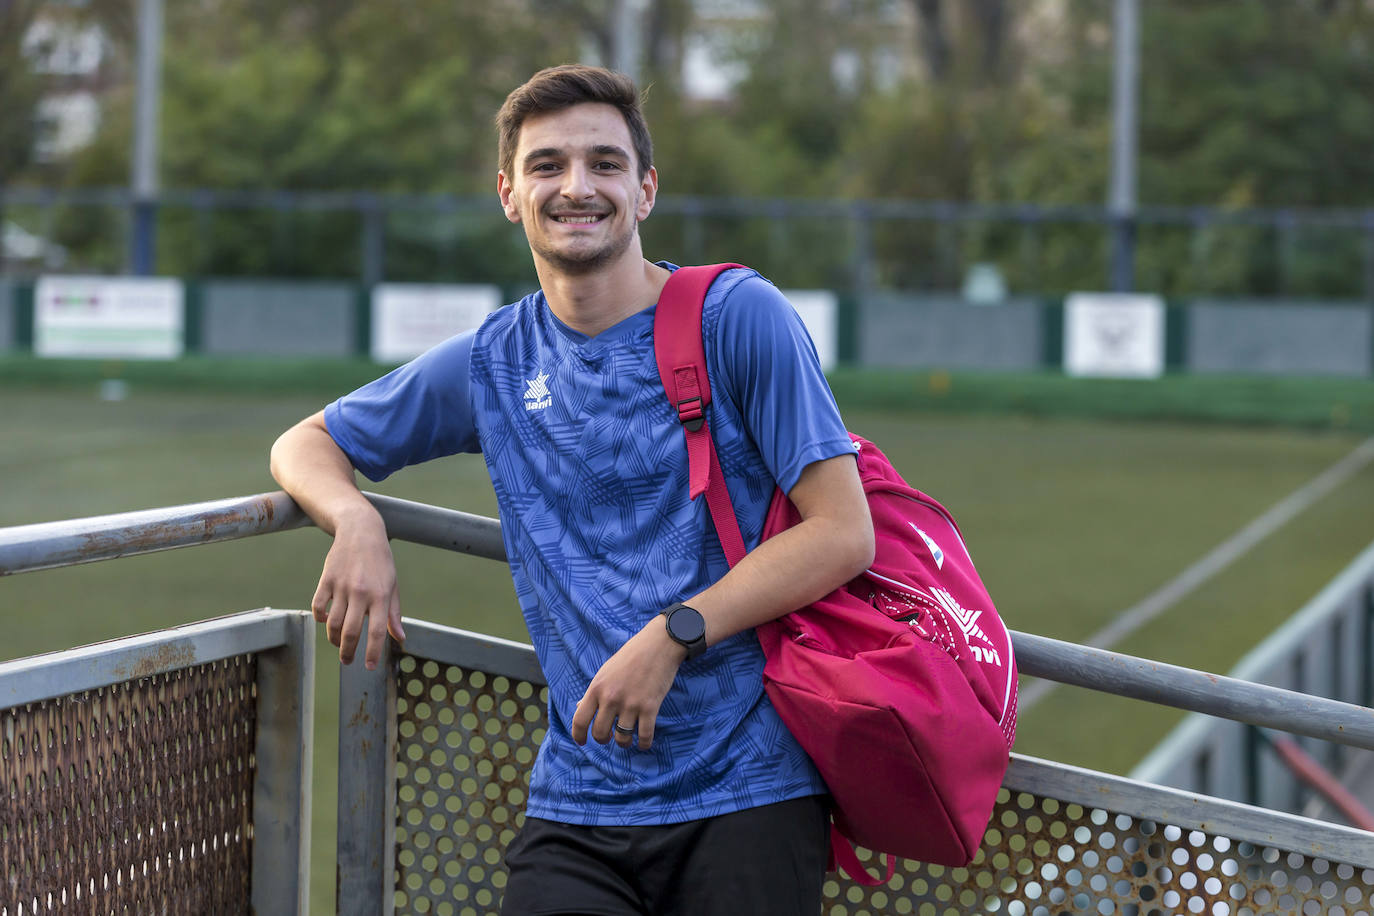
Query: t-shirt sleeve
pixel 417 412
pixel 767 361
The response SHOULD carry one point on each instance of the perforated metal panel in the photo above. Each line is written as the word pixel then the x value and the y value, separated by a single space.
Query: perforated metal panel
pixel 133 798
pixel 1042 857
pixel 467 740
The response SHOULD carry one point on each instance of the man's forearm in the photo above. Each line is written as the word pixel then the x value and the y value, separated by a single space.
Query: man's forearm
pixel 358 583
pixel 316 473
pixel 832 544
pixel 784 573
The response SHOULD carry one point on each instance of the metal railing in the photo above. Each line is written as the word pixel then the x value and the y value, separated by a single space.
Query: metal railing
pixel 436 743
pixel 1326 648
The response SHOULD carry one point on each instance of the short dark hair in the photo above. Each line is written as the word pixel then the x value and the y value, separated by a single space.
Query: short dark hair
pixel 557 88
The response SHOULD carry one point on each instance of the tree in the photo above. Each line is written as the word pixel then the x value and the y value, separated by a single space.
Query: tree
pixel 1260 105
pixel 20 87
pixel 987 22
pixel 337 95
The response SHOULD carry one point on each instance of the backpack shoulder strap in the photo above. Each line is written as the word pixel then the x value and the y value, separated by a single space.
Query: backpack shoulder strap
pixel 681 359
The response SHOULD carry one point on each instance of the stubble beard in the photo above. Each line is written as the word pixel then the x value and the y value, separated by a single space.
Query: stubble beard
pixel 581 262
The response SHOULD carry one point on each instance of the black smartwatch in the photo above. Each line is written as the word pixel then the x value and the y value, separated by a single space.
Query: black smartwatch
pixel 687 628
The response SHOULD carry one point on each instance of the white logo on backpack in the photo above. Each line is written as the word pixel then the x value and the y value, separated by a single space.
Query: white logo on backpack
pixel 935 550
pixel 968 622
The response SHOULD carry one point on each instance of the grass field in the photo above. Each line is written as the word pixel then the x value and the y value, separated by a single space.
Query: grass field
pixel 1072 513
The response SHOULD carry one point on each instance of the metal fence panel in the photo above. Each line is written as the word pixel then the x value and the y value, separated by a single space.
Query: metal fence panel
pixel 132 772
pixel 279 318
pixel 1315 338
pixel 134 797
pixel 467 742
pixel 947 332
pixel 1089 843
pixel 470 712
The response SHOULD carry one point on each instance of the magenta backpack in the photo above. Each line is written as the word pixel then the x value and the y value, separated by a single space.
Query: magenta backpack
pixel 901 684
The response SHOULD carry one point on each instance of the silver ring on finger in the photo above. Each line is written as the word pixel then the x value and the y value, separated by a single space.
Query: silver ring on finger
pixel 623 730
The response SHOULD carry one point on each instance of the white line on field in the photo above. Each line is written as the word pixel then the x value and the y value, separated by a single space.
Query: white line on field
pixel 1222 556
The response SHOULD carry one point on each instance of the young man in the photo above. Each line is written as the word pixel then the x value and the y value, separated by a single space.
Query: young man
pixel 690 796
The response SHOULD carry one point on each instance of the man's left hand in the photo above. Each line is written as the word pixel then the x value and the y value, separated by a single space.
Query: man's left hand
pixel 624 697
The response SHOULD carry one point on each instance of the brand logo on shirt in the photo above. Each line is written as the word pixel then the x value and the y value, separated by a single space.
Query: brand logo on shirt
pixel 537 395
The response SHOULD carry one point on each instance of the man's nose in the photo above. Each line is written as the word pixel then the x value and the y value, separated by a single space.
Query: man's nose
pixel 577 184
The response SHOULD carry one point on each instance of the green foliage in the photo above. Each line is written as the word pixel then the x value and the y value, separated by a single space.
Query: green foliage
pixel 1242 104
pixel 1276 112
pixel 334 96
pixel 344 95
pixel 19 89
pixel 1246 105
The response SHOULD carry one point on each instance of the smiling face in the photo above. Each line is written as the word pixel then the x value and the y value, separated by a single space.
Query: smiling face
pixel 574 185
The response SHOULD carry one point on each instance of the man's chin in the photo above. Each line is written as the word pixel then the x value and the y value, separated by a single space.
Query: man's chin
pixel 585 261
pixel 578 267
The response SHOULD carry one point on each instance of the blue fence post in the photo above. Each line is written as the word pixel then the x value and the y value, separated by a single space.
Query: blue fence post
pixel 861 250
pixel 1123 231
pixel 143 238
pixel 1367 221
pixel 373 240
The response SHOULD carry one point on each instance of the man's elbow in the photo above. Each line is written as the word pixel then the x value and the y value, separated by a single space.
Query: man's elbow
pixel 305 443
pixel 869 545
pixel 859 544
pixel 277 456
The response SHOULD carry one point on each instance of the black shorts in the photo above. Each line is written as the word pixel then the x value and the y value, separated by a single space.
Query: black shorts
pixel 765 861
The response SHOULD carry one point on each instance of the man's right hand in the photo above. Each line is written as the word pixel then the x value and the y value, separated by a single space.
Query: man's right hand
pixel 359 582
pixel 359 578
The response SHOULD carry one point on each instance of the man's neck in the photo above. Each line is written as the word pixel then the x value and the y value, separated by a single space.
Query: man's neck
pixel 590 303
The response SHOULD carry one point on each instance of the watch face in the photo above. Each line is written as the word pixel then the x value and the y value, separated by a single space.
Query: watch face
pixel 686 625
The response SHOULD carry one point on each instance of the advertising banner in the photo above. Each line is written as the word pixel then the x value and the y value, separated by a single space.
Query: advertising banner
pixel 101 317
pixel 1114 335
pixel 409 318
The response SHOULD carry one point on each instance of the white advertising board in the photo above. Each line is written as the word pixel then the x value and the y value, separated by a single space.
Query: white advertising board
pixel 819 311
pixel 409 318
pixel 133 317
pixel 1114 335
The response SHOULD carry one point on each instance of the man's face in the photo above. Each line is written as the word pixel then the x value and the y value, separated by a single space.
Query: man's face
pixel 575 186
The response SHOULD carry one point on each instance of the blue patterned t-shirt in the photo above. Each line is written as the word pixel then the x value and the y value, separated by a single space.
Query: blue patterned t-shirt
pixel 590 470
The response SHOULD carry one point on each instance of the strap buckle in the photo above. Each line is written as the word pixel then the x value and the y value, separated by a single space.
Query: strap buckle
pixel 690 413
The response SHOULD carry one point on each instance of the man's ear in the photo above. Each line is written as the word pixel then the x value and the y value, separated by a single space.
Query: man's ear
pixel 503 190
pixel 648 191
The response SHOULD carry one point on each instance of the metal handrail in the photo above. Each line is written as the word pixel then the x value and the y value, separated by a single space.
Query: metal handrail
pixel 1199 691
pixel 48 545
pixel 42 546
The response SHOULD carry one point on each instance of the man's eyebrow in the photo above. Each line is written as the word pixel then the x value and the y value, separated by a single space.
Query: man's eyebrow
pixel 547 152
pixel 607 149
pixel 554 152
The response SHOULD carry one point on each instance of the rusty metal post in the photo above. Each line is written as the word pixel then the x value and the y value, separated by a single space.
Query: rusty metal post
pixel 367 786
pixel 281 790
